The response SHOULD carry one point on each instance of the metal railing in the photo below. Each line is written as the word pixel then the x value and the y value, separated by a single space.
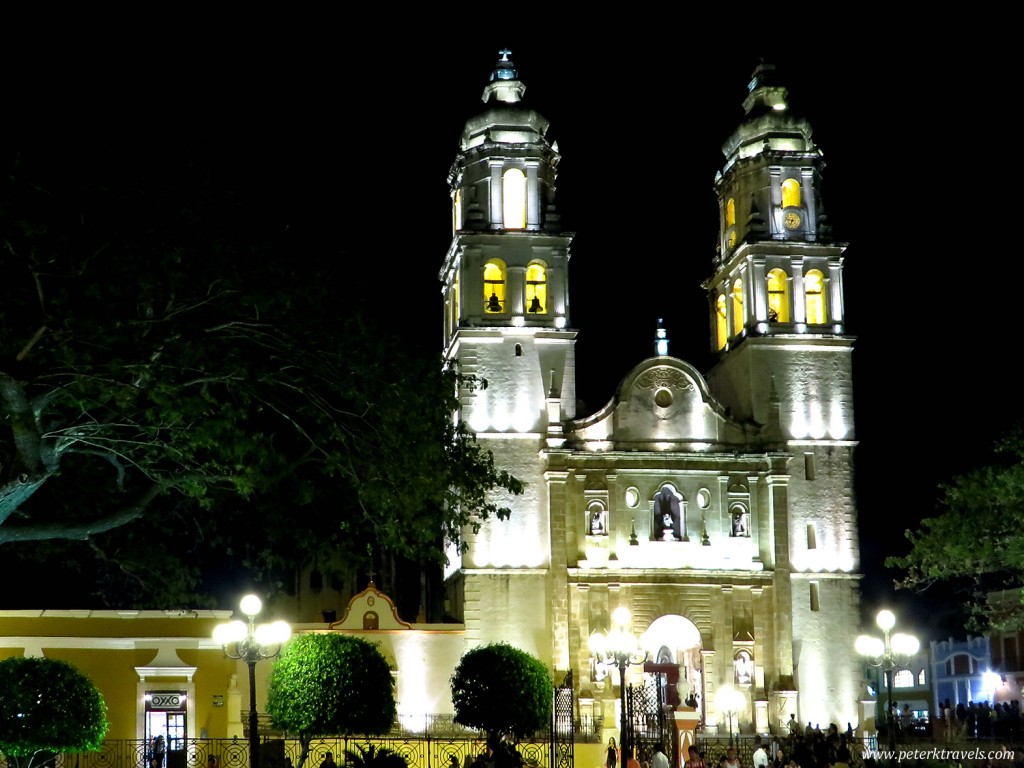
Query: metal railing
pixel 430 747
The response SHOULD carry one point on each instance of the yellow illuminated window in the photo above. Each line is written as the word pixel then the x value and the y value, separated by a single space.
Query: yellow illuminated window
pixel 513 197
pixel 790 193
pixel 814 293
pixel 737 306
pixel 494 286
pixel 458 209
pixel 778 297
pixel 730 213
pixel 536 289
pixel 721 316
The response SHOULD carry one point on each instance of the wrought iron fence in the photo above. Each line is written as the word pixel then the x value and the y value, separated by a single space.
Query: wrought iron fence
pixel 431 747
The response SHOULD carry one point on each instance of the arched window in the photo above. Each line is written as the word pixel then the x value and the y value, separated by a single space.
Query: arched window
pixel 730 213
pixel 737 306
pixel 904 678
pixel 536 289
pixel 494 287
pixel 790 193
pixel 722 320
pixel 920 676
pixel 457 210
pixel 778 297
pixel 513 199
pixel 814 295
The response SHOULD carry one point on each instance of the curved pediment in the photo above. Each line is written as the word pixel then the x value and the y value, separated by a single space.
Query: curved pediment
pixel 663 402
pixel 371 610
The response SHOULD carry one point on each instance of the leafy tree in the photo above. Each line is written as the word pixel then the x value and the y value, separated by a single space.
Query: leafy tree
pixel 503 691
pixel 47 706
pixel 165 354
pixel 328 685
pixel 976 544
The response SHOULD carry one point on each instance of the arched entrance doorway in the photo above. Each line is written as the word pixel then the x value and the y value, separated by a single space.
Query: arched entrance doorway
pixel 673 646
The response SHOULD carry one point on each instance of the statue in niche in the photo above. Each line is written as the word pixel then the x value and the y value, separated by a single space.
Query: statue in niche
pixel 744 668
pixel 739 522
pixel 667 525
pixel 597 526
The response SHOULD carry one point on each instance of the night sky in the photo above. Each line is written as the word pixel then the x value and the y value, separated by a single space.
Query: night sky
pixel 348 141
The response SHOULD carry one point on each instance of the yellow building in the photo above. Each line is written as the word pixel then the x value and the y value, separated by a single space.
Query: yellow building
pixel 161 673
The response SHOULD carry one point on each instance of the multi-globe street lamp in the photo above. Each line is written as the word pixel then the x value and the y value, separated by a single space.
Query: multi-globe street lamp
pixel 888 652
pixel 619 647
pixel 252 643
pixel 729 701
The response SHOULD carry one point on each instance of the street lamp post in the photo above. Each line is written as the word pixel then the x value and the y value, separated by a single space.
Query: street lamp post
pixel 729 701
pixel 619 647
pixel 252 643
pixel 888 652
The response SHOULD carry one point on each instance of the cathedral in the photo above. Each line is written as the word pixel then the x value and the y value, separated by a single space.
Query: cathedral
pixel 716 507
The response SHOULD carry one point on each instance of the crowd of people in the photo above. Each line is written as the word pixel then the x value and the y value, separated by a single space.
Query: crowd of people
pixel 980 721
pixel 802 748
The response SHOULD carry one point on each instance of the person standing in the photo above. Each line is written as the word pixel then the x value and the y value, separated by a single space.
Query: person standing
pixel 156 755
pixel 695 760
pixel 794 726
pixel 611 759
pixel 760 756
pixel 659 760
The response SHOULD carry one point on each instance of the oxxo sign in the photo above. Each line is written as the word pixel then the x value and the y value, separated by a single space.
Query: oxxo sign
pixel 166 700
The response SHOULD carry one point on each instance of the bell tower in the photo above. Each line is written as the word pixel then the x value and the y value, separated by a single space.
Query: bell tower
pixel 778 276
pixel 506 322
pixel 778 324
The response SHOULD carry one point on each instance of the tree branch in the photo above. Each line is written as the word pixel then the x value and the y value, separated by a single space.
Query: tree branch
pixel 81 531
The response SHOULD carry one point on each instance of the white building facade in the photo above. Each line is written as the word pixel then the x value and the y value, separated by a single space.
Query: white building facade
pixel 718 508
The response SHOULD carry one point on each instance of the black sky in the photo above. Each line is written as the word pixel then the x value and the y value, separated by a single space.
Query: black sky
pixel 349 141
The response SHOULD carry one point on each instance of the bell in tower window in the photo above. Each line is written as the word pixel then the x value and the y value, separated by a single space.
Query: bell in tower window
pixel 536 289
pixel 494 287
pixel 778 296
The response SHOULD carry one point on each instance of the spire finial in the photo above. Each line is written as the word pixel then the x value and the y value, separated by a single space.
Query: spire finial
pixel 504 84
pixel 504 69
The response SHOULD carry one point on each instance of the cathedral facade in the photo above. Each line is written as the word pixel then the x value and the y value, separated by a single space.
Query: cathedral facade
pixel 716 507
